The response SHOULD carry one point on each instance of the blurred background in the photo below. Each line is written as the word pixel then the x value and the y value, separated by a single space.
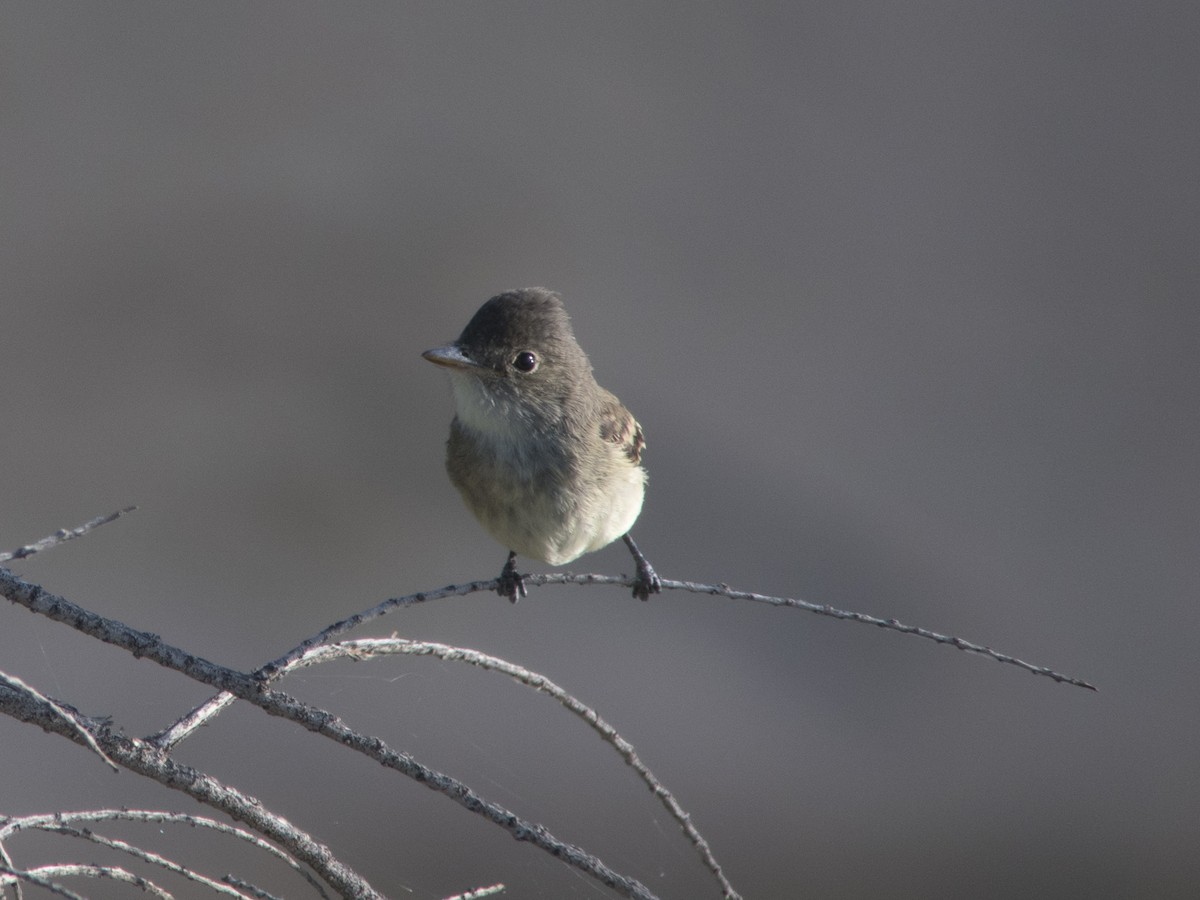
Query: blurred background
pixel 905 297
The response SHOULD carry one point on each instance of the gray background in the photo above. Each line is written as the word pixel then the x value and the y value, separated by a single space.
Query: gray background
pixel 905 296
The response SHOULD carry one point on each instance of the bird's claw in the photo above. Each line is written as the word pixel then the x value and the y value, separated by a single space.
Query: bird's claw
pixel 646 582
pixel 511 583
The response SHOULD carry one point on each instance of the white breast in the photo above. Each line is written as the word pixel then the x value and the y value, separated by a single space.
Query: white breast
pixel 535 524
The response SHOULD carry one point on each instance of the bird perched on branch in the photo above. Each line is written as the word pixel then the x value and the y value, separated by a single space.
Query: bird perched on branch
pixel 548 461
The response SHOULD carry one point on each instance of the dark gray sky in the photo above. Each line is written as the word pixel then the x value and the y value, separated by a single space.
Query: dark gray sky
pixel 904 295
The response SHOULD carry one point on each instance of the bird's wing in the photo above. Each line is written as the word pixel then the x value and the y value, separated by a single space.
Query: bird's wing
pixel 618 426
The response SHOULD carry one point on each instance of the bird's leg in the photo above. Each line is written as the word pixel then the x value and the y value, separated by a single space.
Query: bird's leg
pixel 510 583
pixel 646 581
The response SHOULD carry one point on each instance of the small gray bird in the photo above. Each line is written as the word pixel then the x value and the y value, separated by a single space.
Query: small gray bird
pixel 547 460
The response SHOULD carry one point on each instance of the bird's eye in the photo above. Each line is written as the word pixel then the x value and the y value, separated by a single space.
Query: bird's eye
pixel 525 362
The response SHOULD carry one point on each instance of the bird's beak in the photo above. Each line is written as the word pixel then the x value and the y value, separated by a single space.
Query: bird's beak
pixel 451 357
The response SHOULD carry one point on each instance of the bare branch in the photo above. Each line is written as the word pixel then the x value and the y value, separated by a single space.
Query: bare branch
pixel 10 875
pixel 253 890
pixel 49 873
pixel 368 648
pixel 7 865
pixel 251 689
pixel 68 715
pixel 146 856
pixel 246 887
pixel 182 728
pixel 724 590
pixel 145 759
pixel 203 713
pixel 268 671
pixel 150 757
pixel 56 821
pixel 63 535
pixel 479 893
pixel 207 710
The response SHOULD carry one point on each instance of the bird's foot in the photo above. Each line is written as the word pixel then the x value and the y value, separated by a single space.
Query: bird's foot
pixel 646 582
pixel 511 583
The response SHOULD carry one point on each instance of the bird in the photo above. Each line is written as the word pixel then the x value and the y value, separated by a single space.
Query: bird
pixel 548 461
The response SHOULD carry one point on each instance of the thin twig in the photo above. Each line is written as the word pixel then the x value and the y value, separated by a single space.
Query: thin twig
pixel 67 714
pixel 53 822
pixel 202 714
pixel 268 671
pixel 252 889
pixel 80 870
pixel 724 590
pixel 181 728
pixel 7 864
pixel 63 535
pixel 479 893
pixel 16 876
pixel 366 648
pixel 147 856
